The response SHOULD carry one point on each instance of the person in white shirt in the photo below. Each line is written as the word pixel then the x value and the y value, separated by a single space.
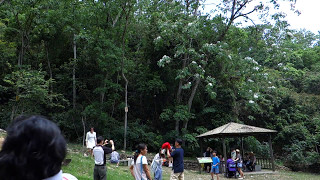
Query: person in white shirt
pixel 139 168
pixel 91 140
pixel 99 152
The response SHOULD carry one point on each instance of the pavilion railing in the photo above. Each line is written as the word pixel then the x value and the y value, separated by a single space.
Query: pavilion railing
pixel 265 163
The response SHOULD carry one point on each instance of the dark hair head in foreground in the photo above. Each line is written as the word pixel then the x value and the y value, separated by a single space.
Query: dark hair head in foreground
pixel 33 149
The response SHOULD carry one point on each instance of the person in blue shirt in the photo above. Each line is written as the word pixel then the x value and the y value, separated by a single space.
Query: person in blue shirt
pixel 177 155
pixel 215 165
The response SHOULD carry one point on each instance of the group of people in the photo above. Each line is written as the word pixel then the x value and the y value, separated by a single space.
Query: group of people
pixel 139 168
pixel 34 149
pixel 250 161
pixel 99 148
pixel 235 163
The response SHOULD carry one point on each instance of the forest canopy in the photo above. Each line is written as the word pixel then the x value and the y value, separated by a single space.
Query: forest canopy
pixel 161 69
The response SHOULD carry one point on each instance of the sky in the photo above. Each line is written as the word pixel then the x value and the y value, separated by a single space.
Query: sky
pixel 309 18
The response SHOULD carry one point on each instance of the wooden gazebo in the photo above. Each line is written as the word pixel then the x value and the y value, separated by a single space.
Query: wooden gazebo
pixel 238 130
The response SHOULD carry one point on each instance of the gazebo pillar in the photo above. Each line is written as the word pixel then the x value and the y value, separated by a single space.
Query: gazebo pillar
pixel 242 149
pixel 224 156
pixel 271 153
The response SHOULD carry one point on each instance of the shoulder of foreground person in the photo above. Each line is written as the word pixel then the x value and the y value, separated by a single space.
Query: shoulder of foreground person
pixel 67 176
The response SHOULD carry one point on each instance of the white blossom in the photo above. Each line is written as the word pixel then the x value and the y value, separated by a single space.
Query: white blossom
pixel 248 58
pixel 269 82
pixel 251 102
pixel 250 91
pixel 210 84
pixel 256 95
pixel 250 80
pixel 256 68
pixel 272 87
pixel 280 64
pixel 193 62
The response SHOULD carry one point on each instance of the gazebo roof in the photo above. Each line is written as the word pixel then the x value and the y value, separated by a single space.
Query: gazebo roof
pixel 236 129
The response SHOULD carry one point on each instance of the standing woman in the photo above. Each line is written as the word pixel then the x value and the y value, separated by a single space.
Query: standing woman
pixel 139 168
pixel 238 160
pixel 91 140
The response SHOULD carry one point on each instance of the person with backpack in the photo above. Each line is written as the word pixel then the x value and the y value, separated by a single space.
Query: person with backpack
pixel 156 165
pixel 139 168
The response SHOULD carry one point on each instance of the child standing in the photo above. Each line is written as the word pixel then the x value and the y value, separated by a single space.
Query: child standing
pixel 156 165
pixel 215 165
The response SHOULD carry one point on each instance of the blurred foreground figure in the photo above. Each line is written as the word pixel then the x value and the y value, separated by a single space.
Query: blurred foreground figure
pixel 33 150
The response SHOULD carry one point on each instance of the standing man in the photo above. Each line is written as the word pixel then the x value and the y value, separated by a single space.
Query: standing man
pixel 99 153
pixel 177 155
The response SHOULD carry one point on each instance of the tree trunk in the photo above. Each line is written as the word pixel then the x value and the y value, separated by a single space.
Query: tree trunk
pixel 193 93
pixel 84 131
pixel 22 49
pixel 126 112
pixel 102 94
pixel 13 112
pixel 74 73
pixel 179 97
pixel 49 67
pixel 114 101
pixel 127 13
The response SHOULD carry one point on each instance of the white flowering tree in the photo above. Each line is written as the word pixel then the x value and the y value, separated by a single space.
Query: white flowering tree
pixel 197 42
pixel 190 55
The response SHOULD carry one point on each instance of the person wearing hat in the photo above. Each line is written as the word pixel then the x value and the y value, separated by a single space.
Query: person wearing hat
pixel 238 160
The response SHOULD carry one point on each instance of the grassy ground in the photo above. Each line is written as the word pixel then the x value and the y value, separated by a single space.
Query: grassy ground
pixel 82 168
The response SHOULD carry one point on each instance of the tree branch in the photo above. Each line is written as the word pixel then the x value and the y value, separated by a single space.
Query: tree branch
pixel 239 9
pixel 246 14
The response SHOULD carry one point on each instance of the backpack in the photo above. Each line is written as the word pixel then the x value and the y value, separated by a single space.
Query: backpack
pixel 153 165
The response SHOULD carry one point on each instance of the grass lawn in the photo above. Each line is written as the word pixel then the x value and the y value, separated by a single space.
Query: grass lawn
pixel 82 168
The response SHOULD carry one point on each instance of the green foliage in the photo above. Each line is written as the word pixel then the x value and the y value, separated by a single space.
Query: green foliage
pixel 186 71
